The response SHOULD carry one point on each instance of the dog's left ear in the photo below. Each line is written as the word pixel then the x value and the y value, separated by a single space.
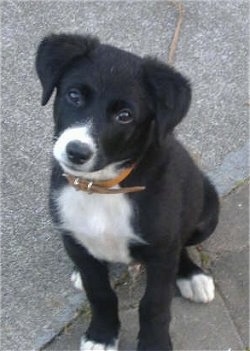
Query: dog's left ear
pixel 171 94
pixel 55 53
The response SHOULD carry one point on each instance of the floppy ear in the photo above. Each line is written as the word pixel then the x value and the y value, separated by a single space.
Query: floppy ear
pixel 171 94
pixel 55 53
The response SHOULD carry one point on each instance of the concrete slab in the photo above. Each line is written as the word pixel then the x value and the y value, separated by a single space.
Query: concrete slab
pixel 231 171
pixel 232 278
pixel 69 339
pixel 214 53
pixel 232 233
pixel 37 300
pixel 203 327
pixel 194 327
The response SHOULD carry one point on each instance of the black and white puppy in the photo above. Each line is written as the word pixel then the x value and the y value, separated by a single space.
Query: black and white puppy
pixel 114 115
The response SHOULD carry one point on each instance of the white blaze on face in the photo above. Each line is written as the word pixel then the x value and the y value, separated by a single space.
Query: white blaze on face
pixel 82 134
pixel 85 170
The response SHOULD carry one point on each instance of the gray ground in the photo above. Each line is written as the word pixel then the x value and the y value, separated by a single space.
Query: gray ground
pixel 37 299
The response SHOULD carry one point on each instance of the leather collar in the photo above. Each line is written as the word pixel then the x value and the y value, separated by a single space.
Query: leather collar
pixel 104 186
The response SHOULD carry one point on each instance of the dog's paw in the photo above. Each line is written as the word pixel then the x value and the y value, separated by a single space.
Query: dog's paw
pixel 198 288
pixel 89 345
pixel 76 280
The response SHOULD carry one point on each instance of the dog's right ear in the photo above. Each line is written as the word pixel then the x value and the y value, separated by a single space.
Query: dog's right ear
pixel 170 92
pixel 55 53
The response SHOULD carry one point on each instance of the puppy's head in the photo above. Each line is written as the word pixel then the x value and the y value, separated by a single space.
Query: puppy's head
pixel 107 103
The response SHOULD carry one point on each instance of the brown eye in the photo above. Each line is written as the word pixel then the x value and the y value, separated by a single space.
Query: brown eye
pixel 124 117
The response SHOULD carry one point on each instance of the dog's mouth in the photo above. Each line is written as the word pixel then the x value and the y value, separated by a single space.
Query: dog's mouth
pixel 96 173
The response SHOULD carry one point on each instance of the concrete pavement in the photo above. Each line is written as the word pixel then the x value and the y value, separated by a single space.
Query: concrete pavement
pixel 37 298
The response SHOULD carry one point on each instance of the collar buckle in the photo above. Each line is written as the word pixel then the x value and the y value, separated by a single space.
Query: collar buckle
pixel 89 190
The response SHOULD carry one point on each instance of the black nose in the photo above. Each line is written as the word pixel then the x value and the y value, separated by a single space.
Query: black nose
pixel 78 152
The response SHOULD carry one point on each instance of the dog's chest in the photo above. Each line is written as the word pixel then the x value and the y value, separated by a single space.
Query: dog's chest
pixel 101 223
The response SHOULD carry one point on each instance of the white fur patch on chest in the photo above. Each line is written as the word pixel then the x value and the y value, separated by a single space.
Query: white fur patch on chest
pixel 101 223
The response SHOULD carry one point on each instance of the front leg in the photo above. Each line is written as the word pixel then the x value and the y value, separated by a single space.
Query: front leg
pixel 102 333
pixel 154 311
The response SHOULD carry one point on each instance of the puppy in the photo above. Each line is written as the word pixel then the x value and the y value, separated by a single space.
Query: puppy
pixel 123 189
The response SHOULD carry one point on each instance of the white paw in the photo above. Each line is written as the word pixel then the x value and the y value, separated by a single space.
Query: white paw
pixel 199 288
pixel 76 280
pixel 87 345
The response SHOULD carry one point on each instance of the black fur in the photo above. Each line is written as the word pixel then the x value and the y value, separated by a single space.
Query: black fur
pixel 179 206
